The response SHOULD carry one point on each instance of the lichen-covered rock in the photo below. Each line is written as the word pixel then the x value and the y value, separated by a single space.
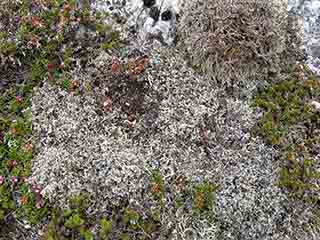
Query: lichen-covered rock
pixel 141 110
pixel 186 127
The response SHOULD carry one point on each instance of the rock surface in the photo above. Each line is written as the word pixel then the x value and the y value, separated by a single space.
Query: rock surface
pixel 309 10
pixel 141 16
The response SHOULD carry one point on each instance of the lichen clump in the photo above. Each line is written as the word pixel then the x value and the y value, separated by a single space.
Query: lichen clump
pixel 232 41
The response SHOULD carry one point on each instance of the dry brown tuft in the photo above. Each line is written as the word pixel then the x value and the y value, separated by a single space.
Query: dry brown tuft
pixel 234 40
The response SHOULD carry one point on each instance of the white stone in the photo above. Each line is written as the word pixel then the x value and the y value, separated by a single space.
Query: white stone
pixel 315 105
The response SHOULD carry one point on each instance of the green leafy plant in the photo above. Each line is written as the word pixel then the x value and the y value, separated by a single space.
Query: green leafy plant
pixel 33 205
pixel 79 202
pixel 16 153
pixel 66 84
pixel 103 28
pixel 204 198
pixel 6 202
pixel 75 215
pixel 286 108
pixel 112 40
pixel 125 236
pixel 158 187
pixel 73 218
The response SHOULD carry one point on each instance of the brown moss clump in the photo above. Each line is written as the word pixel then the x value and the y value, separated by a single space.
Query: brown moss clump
pixel 234 40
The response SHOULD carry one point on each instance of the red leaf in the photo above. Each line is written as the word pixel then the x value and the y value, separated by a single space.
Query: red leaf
pixel 140 68
pixel 24 200
pixel 51 67
pixel 13 163
pixel 50 78
pixel 1 180
pixel 115 67
pixel 19 99
pixel 14 179
pixel 133 77
pixel 28 147
pixel 67 7
pixel 107 104
pixel 36 22
pixel 204 135
pixel 14 131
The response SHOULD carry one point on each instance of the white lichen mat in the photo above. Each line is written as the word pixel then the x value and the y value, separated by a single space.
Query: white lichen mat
pixel 84 149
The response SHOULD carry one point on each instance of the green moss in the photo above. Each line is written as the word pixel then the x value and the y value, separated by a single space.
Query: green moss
pixel 103 28
pixel 125 236
pixel 86 234
pixel 135 222
pixel 112 41
pixel 3 36
pixel 291 178
pixel 67 57
pixel 7 204
pixel 131 218
pixel 39 69
pixel 105 228
pixel 80 201
pixel 74 221
pixel 52 229
pixel 300 172
pixel 109 45
pixel 8 49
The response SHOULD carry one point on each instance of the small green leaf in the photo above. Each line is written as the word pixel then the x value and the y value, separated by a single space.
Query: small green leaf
pixel 74 221
pixel 105 228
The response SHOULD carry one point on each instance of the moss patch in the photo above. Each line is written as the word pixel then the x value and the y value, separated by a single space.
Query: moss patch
pixel 292 124
pixel 286 104
pixel 127 221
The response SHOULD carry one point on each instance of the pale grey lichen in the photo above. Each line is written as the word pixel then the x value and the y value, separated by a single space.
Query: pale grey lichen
pixel 82 148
